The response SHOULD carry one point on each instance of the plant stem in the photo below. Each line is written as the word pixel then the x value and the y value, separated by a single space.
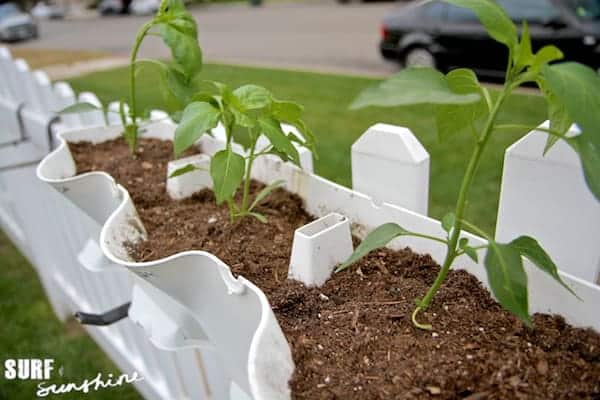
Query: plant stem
pixel 231 211
pixel 247 178
pixel 467 181
pixel 134 52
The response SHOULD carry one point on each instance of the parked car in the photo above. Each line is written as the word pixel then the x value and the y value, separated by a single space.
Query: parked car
pixel 111 7
pixel 15 24
pixel 445 36
pixel 48 10
pixel 144 7
pixel 362 1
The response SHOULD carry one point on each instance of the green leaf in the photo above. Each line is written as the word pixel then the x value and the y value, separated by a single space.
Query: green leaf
pixel 175 13
pixel 252 97
pixel 523 57
pixel 448 222
pixel 412 86
pixel 77 108
pixel 560 121
pixel 241 114
pixel 577 88
pixel 507 279
pixel 472 253
pixel 309 136
pixel 272 130
pixel 529 248
pixel 463 244
pixel 463 81
pixel 265 192
pixel 286 110
pixel 378 238
pixel 184 48
pixel 197 119
pixel 176 116
pixel 184 170
pixel 177 84
pixel 227 171
pixel 546 55
pixel 494 19
pixel 243 119
pixel 451 119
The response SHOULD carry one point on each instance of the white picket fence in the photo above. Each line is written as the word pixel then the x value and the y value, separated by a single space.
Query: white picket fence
pixel 545 197
pixel 33 216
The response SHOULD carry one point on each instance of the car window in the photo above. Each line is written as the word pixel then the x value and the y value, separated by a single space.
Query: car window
pixel 460 14
pixel 585 9
pixel 530 10
pixel 434 10
pixel 7 10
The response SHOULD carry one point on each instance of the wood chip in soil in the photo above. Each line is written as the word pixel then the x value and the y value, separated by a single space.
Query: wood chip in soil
pixel 352 338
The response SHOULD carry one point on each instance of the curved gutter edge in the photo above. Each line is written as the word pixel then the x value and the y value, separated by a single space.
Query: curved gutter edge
pixel 262 384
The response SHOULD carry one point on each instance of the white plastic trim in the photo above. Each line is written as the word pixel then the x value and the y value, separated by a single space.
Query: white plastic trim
pixel 318 247
pixel 92 258
pixel 252 348
pixel 391 165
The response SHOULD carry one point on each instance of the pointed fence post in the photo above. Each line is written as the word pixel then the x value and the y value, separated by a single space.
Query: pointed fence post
pixel 546 197
pixel 392 166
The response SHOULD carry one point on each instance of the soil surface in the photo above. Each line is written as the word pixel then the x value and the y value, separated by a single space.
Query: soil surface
pixel 352 338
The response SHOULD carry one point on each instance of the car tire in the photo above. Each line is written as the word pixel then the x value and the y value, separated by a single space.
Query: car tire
pixel 419 57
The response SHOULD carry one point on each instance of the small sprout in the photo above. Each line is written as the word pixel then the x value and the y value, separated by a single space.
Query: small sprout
pixel 177 28
pixel 461 103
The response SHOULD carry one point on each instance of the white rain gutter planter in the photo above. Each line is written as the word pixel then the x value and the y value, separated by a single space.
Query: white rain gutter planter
pixel 184 300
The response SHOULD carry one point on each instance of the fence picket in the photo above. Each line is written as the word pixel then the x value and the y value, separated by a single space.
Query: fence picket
pixel 65 96
pixel 546 197
pixel 390 165
pixel 11 88
pixel 29 93
pixel 44 91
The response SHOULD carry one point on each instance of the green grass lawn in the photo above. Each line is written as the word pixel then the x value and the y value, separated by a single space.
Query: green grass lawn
pixel 29 329
pixel 326 98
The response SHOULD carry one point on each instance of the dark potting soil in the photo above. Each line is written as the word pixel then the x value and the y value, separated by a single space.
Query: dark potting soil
pixel 352 338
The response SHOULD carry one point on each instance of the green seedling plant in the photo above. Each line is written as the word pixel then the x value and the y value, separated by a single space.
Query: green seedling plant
pixel 461 103
pixel 177 28
pixel 246 113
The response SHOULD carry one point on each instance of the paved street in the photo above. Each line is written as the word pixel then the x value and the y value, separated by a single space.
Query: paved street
pixel 321 36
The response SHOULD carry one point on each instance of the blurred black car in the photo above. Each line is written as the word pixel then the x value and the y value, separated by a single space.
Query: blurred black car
pixel 445 36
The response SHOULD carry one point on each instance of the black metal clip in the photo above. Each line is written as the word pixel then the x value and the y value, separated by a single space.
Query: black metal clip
pixel 55 119
pixel 108 318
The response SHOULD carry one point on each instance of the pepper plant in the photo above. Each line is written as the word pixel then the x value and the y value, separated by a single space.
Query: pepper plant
pixel 572 92
pixel 177 28
pixel 251 110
